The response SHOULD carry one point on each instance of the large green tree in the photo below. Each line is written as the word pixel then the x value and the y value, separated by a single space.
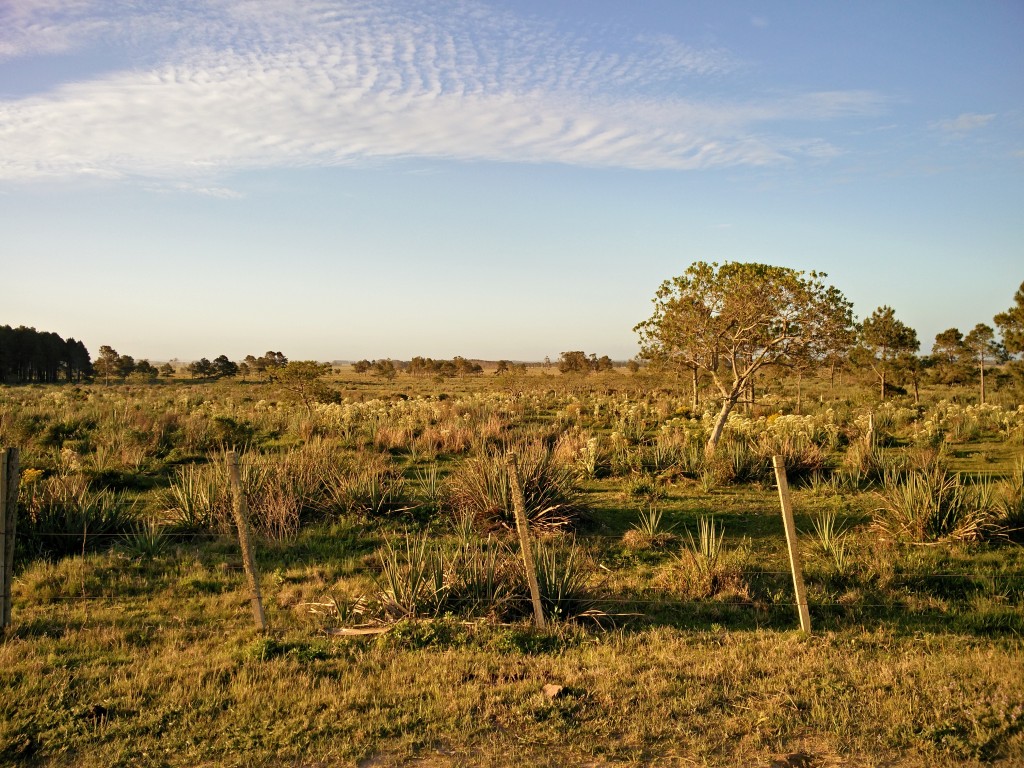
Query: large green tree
pixel 107 363
pixel 1011 324
pixel 886 339
pixel 224 367
pixel 732 320
pixel 837 333
pixel 984 350
pixel 950 358
pixel 303 379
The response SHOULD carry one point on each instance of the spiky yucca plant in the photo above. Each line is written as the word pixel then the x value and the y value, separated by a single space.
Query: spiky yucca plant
pixel 412 579
pixel 563 576
pixel 932 505
pixel 480 487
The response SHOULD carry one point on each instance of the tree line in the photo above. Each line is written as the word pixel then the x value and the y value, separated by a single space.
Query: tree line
pixel 715 324
pixel 31 356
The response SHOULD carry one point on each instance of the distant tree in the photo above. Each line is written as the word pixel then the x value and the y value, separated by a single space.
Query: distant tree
pixel 603 363
pixel 575 361
pixel 106 363
pixel 948 357
pixel 837 333
pixel 1011 324
pixel 362 366
pixel 464 367
pixel 255 365
pixel 273 360
pixel 303 378
pixel 224 368
pixel 732 320
pixel 502 368
pixel 167 370
pixel 28 355
pixel 125 366
pixel 984 350
pixel 418 366
pixel 911 368
pixel 633 366
pixel 884 338
pixel 146 370
pixel 385 369
pixel 201 368
pixel 79 366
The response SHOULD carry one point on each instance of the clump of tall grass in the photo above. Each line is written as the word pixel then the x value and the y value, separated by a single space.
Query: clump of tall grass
pixel 583 452
pixel 644 487
pixel 865 465
pixel 831 540
pixel 563 578
pixel 482 578
pixel 146 540
pixel 279 489
pixel 371 486
pixel 480 486
pixel 649 531
pixel 191 500
pixel 430 491
pixel 705 568
pixel 63 514
pixel 932 505
pixel 736 460
pixel 1010 502
pixel 412 579
pixel 803 457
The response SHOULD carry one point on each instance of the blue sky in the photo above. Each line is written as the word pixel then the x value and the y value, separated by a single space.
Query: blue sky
pixel 339 180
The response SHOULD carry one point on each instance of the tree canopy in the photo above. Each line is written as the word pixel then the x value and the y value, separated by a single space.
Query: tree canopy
pixel 885 339
pixel 1011 324
pixel 303 379
pixel 733 319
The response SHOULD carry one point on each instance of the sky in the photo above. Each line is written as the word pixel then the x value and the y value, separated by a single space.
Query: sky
pixel 494 179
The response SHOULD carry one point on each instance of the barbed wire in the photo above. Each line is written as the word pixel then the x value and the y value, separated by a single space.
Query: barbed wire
pixel 222 539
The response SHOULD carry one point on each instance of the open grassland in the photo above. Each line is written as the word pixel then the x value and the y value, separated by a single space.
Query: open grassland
pixel 674 635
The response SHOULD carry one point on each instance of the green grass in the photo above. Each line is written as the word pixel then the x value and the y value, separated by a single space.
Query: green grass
pixel 914 659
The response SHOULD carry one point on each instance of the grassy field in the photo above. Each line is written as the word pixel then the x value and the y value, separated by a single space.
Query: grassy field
pixel 674 638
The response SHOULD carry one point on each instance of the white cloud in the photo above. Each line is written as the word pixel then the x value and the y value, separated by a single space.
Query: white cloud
pixel 961 125
pixel 236 85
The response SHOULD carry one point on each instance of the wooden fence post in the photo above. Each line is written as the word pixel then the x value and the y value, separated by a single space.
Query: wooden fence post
pixel 794 556
pixel 9 478
pixel 523 528
pixel 240 509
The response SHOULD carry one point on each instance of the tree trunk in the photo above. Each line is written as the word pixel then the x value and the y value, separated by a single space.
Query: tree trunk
pixel 799 390
pixel 696 397
pixel 882 377
pixel 982 366
pixel 722 418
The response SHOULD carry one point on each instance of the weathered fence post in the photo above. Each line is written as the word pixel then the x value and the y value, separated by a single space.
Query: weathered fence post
pixel 523 528
pixel 240 509
pixel 8 528
pixel 794 556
